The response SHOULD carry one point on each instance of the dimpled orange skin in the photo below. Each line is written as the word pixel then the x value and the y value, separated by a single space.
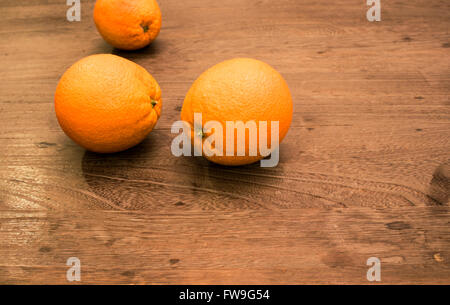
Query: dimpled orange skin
pixel 106 103
pixel 240 89
pixel 128 24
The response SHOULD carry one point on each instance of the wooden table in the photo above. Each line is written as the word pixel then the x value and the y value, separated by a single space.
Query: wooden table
pixel 364 169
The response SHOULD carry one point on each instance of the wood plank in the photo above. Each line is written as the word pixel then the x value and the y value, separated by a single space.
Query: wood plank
pixel 181 246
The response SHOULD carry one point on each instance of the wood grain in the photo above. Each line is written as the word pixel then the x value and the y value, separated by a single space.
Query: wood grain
pixel 364 170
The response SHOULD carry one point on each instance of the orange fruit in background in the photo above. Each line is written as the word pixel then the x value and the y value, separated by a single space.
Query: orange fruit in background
pixel 128 24
pixel 240 89
pixel 106 103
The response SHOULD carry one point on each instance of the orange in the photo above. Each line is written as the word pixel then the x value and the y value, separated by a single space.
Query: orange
pixel 106 103
pixel 128 24
pixel 240 89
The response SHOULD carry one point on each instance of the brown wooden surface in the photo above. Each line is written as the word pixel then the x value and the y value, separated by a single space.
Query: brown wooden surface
pixel 364 170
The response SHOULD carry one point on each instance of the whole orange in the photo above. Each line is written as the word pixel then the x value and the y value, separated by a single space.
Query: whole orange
pixel 128 24
pixel 240 89
pixel 106 103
